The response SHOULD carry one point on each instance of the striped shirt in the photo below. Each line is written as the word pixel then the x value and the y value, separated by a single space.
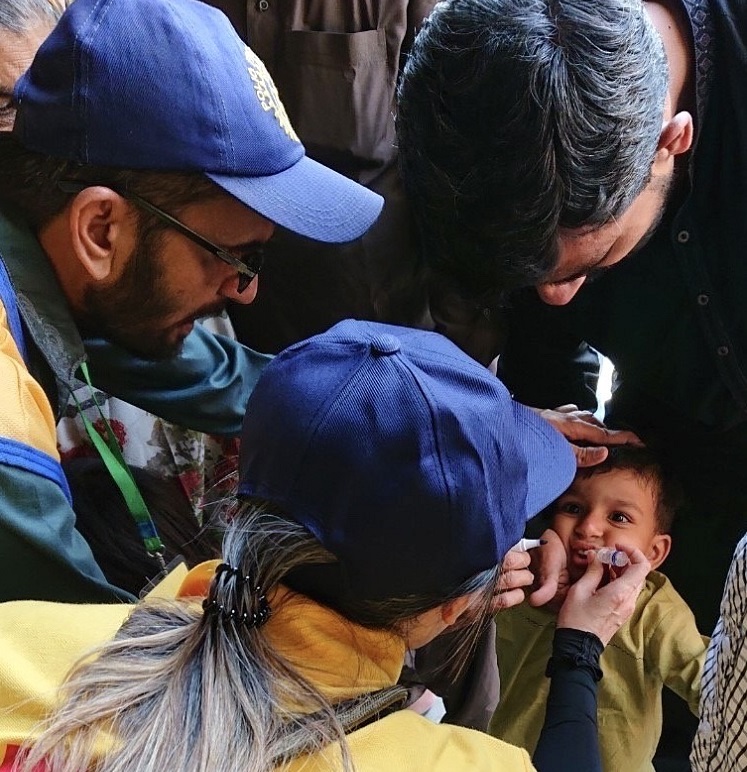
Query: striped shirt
pixel 721 740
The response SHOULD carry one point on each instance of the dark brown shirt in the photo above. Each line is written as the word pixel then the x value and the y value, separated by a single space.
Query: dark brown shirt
pixel 336 66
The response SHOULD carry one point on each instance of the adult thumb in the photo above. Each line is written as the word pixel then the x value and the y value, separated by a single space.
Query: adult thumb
pixel 592 577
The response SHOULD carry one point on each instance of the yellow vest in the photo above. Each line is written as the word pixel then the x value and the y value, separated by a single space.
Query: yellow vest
pixel 40 641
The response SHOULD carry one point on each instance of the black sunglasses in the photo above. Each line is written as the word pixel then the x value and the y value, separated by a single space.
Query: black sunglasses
pixel 248 264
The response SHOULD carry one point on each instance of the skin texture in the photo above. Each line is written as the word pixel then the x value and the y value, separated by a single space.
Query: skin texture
pixel 590 515
pixel 584 255
pixel 550 569
pixel 426 626
pixel 611 509
pixel 583 426
pixel 607 509
pixel 515 576
pixel 16 53
pixel 145 294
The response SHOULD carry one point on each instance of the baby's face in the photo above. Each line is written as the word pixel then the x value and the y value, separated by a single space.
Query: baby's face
pixel 615 507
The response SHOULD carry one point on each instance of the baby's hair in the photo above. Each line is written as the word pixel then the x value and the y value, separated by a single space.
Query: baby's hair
pixel 649 467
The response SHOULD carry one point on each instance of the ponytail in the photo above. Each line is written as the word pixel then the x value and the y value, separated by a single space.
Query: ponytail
pixel 187 689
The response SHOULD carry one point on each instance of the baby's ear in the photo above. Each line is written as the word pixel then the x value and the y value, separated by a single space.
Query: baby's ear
pixel 659 549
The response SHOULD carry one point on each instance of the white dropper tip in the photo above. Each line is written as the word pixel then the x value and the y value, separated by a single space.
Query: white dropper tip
pixel 612 557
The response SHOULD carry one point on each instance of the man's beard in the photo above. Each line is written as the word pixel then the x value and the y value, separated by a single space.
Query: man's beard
pixel 665 189
pixel 131 312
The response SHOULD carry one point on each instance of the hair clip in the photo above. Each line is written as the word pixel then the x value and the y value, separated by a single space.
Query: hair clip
pixel 260 609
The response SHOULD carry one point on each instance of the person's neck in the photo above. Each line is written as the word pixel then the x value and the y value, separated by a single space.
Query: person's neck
pixel 671 21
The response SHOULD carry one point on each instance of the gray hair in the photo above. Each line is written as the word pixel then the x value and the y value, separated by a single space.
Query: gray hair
pixel 520 117
pixel 178 691
pixel 20 15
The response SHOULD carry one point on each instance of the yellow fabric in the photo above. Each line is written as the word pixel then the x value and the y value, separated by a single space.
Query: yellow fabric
pixel 197 581
pixel 40 641
pixel 660 645
pixel 26 415
pixel 171 584
pixel 407 741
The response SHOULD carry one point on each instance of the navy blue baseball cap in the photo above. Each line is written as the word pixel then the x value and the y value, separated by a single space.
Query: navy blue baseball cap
pixel 168 85
pixel 406 459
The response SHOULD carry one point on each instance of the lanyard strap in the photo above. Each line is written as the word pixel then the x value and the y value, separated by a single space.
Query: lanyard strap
pixel 111 455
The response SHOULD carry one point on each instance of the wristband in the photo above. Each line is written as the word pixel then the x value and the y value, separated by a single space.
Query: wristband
pixel 575 649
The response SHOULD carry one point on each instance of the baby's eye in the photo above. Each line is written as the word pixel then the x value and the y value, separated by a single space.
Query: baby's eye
pixel 619 517
pixel 569 508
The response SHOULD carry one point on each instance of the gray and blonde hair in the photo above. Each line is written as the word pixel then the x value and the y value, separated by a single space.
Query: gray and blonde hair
pixel 176 690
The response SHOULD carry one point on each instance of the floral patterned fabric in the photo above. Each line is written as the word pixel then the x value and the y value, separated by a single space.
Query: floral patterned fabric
pixel 201 462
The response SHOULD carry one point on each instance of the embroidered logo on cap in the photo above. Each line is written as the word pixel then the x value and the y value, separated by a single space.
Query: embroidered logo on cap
pixel 267 92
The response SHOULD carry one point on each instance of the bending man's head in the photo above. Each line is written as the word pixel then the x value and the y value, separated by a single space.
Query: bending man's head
pixel 526 124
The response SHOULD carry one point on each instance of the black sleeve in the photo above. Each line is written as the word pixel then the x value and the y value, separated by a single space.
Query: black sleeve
pixel 569 740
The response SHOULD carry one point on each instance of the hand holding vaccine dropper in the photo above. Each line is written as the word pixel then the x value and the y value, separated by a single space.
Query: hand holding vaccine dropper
pixel 612 557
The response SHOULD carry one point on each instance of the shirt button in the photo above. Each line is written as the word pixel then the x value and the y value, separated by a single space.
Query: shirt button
pixel 703 300
pixel 263 5
pixel 683 237
pixel 722 351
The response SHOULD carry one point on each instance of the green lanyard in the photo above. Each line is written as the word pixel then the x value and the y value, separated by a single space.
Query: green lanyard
pixel 111 455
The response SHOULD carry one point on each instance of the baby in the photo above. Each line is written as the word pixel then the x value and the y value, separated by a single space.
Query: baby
pixel 630 500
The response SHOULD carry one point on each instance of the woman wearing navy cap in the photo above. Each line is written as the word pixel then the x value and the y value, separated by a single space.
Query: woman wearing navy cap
pixel 286 654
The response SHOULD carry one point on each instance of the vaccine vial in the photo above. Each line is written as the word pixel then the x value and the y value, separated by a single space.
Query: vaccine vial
pixel 612 557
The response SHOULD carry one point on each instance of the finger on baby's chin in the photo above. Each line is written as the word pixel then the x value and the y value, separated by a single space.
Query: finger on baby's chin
pixel 544 593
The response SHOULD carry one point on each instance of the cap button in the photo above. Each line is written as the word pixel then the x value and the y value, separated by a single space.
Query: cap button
pixel 385 344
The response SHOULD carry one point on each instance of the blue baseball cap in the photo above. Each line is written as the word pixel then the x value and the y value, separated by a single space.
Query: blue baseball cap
pixel 168 85
pixel 404 457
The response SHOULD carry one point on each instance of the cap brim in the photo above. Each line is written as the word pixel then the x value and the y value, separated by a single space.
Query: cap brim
pixel 309 199
pixel 551 464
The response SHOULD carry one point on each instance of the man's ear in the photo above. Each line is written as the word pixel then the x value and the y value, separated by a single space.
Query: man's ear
pixel 660 546
pixel 676 136
pixel 98 219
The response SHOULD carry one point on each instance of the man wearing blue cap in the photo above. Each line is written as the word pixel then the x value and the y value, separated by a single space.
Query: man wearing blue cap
pixel 150 159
